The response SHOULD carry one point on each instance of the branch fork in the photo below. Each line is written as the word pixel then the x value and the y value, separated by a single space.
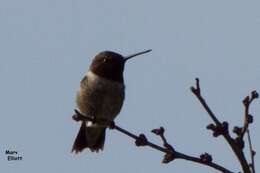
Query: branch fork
pixel 221 129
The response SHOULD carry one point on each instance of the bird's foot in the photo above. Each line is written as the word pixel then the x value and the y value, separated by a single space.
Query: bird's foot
pixel 77 116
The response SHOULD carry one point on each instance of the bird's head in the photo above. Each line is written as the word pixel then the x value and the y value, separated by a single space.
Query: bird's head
pixel 110 65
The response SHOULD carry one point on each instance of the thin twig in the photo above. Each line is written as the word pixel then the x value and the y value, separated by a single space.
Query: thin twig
pixel 152 145
pixel 246 102
pixel 252 152
pixel 237 149
pixel 198 160
pixel 167 149
pixel 197 92
pixel 247 117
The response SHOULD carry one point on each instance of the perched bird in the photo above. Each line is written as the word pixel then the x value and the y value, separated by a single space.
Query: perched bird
pixel 101 95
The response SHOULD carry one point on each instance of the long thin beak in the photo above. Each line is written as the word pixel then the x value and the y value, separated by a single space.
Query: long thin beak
pixel 136 54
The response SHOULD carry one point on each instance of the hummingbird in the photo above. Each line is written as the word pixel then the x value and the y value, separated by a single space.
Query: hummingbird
pixel 100 95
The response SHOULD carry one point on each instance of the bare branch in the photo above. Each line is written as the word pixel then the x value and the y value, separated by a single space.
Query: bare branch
pixel 222 128
pixel 170 153
pixel 202 161
pixel 140 140
pixel 196 91
pixel 252 152
pixel 219 129
pixel 247 117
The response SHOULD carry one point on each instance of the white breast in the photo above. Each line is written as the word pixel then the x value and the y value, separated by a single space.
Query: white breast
pixel 95 79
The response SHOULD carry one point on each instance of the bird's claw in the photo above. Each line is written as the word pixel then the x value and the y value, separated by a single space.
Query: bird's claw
pixel 76 117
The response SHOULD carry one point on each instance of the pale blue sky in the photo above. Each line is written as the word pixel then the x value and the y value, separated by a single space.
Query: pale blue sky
pixel 47 46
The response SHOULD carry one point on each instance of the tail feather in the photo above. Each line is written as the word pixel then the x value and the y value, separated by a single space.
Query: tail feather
pixel 89 137
pixel 99 142
pixel 80 142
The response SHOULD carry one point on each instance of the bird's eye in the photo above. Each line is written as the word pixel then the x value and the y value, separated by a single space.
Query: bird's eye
pixel 104 60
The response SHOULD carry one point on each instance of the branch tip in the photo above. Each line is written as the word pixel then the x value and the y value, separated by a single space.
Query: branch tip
pixel 159 131
pixel 254 94
pixel 193 89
